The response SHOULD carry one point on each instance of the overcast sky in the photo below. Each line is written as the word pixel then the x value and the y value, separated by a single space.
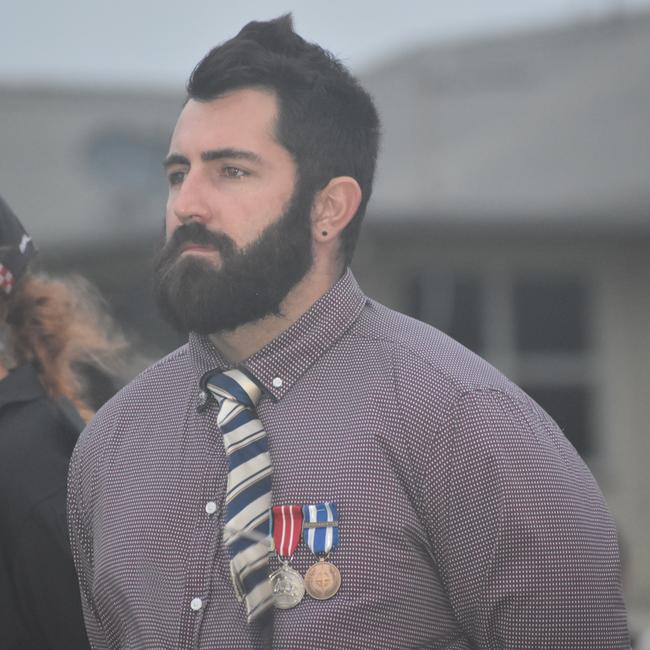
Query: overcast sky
pixel 159 41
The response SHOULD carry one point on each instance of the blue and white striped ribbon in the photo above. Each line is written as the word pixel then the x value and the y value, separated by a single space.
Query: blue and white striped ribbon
pixel 320 527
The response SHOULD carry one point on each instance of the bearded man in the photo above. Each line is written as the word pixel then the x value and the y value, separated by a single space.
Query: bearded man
pixel 314 470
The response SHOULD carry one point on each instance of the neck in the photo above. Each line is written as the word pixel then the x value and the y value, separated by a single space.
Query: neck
pixel 241 343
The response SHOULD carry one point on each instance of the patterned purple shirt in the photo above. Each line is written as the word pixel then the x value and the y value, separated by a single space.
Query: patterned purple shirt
pixel 466 519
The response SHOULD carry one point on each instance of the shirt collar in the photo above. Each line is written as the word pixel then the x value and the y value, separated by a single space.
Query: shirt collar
pixel 281 363
pixel 21 385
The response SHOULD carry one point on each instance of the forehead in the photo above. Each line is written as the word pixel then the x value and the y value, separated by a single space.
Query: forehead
pixel 241 118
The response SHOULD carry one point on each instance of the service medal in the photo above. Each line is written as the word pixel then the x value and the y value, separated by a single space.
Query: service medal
pixel 322 580
pixel 288 586
pixel 321 534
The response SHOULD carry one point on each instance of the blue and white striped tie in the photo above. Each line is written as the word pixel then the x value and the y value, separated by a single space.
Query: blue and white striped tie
pixel 248 491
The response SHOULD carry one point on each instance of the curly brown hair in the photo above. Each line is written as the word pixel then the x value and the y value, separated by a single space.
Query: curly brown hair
pixel 56 324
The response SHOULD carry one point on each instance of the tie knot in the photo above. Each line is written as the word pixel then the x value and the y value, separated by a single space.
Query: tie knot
pixel 236 386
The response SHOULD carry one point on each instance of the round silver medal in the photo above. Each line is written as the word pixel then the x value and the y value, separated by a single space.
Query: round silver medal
pixel 288 587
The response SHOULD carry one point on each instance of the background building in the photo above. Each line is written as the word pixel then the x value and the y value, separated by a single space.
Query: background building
pixel 511 209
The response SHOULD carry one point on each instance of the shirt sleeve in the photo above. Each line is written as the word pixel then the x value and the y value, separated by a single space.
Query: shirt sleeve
pixel 526 547
pixel 82 548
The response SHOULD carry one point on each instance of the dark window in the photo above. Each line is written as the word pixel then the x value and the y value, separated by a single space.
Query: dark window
pixel 128 160
pixel 453 304
pixel 551 315
pixel 570 407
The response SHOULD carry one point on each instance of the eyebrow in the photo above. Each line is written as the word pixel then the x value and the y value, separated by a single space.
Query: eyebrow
pixel 213 154
pixel 175 159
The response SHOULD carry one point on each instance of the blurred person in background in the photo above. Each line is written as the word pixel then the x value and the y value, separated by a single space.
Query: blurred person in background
pixel 51 332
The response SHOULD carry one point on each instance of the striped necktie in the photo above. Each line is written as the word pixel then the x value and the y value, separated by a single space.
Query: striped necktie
pixel 248 491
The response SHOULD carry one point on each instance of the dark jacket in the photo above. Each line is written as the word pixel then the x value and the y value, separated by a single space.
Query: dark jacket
pixel 39 596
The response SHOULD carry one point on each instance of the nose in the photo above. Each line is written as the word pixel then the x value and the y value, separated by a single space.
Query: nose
pixel 188 201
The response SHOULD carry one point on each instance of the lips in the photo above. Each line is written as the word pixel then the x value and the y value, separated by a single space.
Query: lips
pixel 196 248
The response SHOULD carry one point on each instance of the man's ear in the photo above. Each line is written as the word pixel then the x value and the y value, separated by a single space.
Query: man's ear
pixel 334 207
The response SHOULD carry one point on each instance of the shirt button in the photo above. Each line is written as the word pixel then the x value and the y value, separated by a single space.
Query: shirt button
pixel 277 382
pixel 210 507
pixel 196 604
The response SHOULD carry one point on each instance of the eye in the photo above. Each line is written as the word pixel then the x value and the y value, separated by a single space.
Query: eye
pixel 234 172
pixel 176 177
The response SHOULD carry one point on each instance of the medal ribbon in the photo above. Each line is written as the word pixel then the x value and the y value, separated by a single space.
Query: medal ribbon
pixel 287 525
pixel 320 527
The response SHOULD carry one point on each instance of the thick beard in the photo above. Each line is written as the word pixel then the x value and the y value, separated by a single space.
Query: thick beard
pixel 194 295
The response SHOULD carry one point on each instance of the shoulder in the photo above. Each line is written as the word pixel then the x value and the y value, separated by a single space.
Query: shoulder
pixel 444 393
pixel 27 427
pixel 169 369
pixel 422 355
pixel 138 400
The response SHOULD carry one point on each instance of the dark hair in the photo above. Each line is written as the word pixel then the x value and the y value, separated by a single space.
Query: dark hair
pixel 326 121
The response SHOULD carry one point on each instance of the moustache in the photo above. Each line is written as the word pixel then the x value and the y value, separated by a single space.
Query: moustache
pixel 198 234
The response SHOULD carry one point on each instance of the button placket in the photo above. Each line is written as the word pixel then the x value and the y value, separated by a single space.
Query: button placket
pixel 201 556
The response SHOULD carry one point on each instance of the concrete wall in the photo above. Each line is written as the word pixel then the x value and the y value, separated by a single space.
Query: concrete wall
pixel 81 165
